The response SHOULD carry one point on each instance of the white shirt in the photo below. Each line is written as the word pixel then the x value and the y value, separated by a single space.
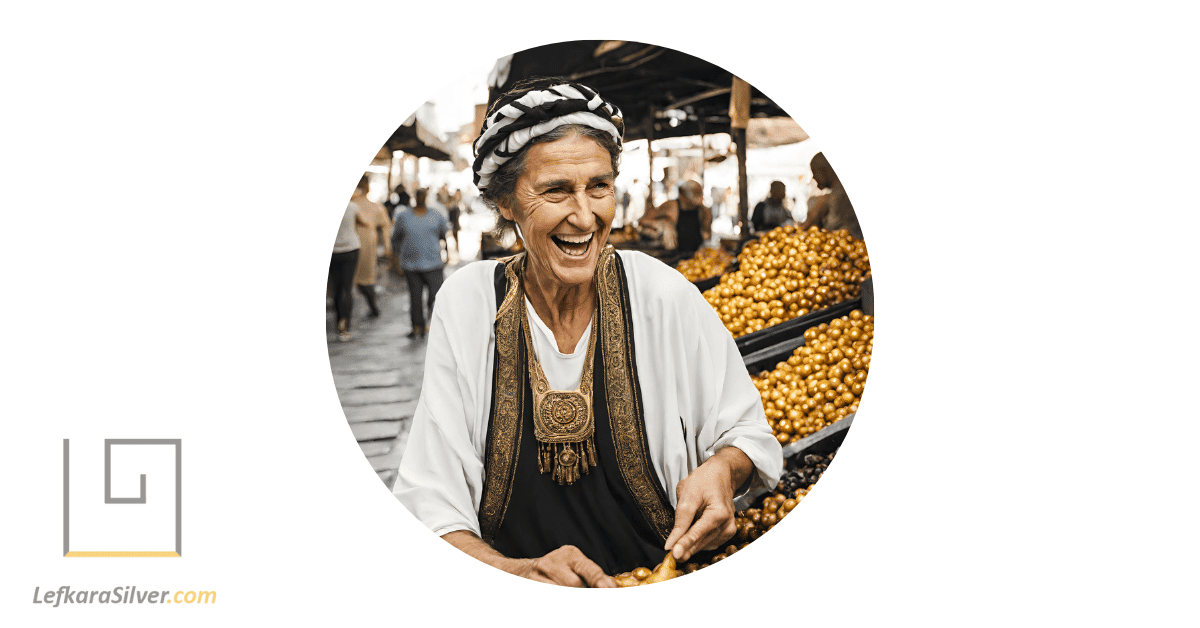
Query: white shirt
pixel 563 371
pixel 347 237
pixel 697 396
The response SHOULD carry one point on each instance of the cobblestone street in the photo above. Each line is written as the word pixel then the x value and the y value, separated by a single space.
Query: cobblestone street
pixel 378 372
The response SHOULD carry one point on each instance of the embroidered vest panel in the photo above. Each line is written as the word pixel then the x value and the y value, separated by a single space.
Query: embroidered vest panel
pixel 625 497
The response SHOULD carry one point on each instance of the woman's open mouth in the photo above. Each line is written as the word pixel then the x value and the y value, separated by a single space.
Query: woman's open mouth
pixel 574 245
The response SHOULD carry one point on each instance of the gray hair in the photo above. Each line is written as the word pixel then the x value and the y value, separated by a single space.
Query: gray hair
pixel 503 187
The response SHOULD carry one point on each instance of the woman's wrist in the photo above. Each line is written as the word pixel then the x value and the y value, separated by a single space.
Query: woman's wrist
pixel 475 547
pixel 736 464
pixel 517 566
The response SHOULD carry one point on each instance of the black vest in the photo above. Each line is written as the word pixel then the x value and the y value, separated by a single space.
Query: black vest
pixel 617 514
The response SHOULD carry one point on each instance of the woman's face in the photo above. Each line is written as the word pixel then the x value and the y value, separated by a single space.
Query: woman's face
pixel 565 207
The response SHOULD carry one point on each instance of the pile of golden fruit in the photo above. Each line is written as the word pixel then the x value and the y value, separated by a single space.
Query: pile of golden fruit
pixel 822 381
pixel 664 571
pixel 788 273
pixel 751 524
pixel 705 264
pixel 754 522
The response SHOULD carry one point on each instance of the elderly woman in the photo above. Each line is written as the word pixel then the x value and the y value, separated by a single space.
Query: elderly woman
pixel 583 411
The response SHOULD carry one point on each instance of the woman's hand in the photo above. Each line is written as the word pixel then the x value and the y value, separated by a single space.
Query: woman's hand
pixel 566 566
pixel 704 511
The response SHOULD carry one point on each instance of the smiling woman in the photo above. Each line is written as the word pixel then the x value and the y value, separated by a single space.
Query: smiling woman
pixel 564 207
pixel 514 456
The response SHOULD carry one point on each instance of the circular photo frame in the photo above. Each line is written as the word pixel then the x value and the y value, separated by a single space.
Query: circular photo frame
pixel 615 314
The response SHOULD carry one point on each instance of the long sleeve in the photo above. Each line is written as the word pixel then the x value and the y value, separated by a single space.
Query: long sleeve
pixel 698 396
pixel 441 473
pixel 397 233
pixel 731 411
pixel 386 227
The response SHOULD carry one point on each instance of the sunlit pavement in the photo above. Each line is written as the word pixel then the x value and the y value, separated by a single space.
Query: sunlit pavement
pixel 378 371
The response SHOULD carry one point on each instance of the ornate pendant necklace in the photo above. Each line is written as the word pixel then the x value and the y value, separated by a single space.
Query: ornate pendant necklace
pixel 562 419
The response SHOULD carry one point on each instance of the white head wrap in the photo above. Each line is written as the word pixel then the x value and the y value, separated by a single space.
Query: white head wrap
pixel 511 127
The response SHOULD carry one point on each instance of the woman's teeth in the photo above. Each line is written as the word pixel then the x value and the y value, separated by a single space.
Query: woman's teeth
pixel 573 245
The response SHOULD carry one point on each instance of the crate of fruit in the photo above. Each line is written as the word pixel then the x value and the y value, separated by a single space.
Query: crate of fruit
pixel 704 269
pixel 771 338
pixel 812 382
pixel 788 275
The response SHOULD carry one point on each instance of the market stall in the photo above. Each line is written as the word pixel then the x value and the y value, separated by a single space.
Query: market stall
pixel 810 371
pixel 663 93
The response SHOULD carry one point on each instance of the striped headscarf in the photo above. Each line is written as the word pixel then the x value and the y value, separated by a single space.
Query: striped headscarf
pixel 510 128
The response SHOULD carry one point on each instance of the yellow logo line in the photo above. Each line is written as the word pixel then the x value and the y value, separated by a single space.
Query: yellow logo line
pixel 122 555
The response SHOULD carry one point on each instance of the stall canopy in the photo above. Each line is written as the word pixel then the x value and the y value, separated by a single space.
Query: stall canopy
pixel 415 138
pixel 679 94
pixel 768 132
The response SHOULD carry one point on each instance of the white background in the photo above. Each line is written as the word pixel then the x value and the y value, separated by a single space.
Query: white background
pixel 174 177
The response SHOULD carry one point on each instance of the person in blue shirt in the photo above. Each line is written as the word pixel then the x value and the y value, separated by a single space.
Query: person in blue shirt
pixel 417 241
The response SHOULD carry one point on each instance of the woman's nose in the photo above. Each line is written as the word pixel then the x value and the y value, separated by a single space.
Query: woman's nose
pixel 583 211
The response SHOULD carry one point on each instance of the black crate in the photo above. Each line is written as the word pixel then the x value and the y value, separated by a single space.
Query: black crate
pixel 786 331
pixel 766 359
pixel 822 443
pixel 706 284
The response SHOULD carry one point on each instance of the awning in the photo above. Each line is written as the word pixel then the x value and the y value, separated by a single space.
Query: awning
pixel 768 132
pixel 672 90
pixel 415 138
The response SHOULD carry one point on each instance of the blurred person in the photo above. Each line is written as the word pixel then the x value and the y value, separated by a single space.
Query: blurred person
pixel 638 193
pixel 396 202
pixel 455 212
pixel 341 269
pixel 372 218
pixel 584 409
pixel 685 222
pixel 440 202
pixel 416 239
pixel 830 211
pixel 397 199
pixel 771 212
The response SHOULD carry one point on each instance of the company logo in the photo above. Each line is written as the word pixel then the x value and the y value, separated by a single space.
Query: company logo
pixel 124 526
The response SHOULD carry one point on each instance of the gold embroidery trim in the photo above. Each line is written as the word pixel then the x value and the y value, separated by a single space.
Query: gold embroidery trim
pixel 624 398
pixel 504 430
pixel 511 266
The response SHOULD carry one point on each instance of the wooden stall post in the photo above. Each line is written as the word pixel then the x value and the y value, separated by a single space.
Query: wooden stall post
pixel 739 119
pixel 391 173
pixel 650 152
